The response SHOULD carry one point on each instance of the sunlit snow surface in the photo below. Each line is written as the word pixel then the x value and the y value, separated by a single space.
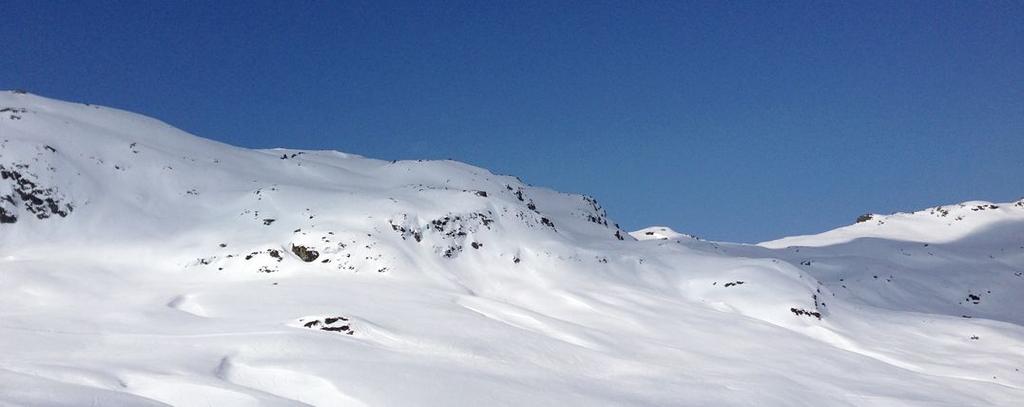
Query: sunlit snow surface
pixel 141 265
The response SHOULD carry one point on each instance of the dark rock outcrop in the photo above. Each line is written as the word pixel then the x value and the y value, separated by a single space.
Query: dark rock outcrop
pixel 25 192
pixel 306 254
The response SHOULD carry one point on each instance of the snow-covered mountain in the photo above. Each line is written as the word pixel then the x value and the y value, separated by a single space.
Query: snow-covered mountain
pixel 145 266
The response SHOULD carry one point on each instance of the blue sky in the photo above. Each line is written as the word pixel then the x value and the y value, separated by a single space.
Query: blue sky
pixel 740 121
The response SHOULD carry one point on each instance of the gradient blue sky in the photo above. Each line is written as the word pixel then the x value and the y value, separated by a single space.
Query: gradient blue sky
pixel 740 121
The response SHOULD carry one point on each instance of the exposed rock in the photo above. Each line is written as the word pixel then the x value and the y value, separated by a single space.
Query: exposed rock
pixel 800 311
pixel 25 192
pixel 306 254
pixel 331 324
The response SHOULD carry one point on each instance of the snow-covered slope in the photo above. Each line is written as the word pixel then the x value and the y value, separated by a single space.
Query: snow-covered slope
pixel 941 224
pixel 960 260
pixel 145 266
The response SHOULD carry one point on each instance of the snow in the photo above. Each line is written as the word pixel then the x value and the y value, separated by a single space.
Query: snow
pixel 658 232
pixel 940 224
pixel 147 266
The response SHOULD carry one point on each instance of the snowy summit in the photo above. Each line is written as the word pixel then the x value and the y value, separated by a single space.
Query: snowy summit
pixel 658 232
pixel 142 265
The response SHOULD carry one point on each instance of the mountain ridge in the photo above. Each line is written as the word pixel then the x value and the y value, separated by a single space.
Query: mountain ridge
pixel 147 266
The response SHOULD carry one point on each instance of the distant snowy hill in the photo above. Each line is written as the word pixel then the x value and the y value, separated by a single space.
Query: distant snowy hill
pixel 658 232
pixel 141 265
pixel 941 224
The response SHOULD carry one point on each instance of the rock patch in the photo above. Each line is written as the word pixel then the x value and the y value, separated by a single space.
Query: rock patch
pixel 25 192
pixel 803 312
pixel 337 324
pixel 306 254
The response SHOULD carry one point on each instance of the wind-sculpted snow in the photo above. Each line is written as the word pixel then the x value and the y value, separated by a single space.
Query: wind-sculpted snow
pixel 146 266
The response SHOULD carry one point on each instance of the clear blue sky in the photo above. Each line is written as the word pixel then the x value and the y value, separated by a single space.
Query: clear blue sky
pixel 739 121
